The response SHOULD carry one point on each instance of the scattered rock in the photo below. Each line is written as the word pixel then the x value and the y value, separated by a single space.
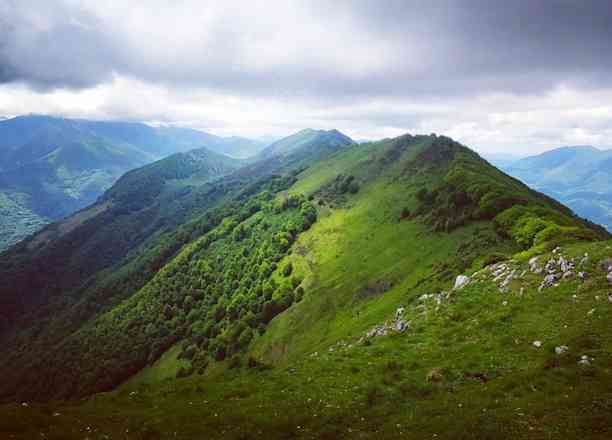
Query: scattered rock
pixel 533 264
pixel 590 312
pixel 561 349
pixel 549 281
pixel 585 360
pixel 583 275
pixel 380 330
pixel 551 266
pixel 401 325
pixel 564 265
pixel 25 404
pixel 398 324
pixel 605 264
pixel 506 283
pixel 537 344
pixel 399 312
pixel 568 274
pixel 609 277
pixel 461 282
pixel 584 260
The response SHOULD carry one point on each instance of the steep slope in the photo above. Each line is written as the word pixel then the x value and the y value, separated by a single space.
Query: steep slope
pixel 144 202
pixel 51 167
pixel 273 301
pixel 109 250
pixel 580 177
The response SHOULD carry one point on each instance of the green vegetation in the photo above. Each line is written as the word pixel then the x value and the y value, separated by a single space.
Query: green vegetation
pixel 249 312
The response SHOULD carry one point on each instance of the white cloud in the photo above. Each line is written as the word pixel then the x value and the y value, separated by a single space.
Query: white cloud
pixel 491 79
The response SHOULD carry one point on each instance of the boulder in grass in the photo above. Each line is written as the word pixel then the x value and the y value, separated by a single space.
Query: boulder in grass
pixel 606 265
pixel 461 282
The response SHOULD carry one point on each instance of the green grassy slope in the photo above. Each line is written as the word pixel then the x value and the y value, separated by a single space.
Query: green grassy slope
pixel 468 370
pixel 396 220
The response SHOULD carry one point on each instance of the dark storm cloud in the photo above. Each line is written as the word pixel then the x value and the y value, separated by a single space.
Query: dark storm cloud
pixel 67 50
pixel 519 45
pixel 414 48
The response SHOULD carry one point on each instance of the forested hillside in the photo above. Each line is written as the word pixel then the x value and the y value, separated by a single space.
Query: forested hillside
pixel 311 294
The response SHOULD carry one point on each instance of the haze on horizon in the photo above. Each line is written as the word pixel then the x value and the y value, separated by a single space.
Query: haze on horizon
pixel 508 77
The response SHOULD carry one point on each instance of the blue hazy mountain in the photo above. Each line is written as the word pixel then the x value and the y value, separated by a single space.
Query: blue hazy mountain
pixel 578 176
pixel 51 167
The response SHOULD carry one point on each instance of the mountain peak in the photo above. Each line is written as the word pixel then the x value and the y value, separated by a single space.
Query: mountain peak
pixel 308 139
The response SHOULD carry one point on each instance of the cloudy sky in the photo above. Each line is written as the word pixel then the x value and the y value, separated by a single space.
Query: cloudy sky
pixel 501 76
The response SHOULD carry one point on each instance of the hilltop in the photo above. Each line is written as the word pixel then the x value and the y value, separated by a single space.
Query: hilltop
pixel 329 289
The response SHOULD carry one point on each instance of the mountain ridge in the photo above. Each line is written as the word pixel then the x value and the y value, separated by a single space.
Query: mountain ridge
pixel 329 273
pixel 460 189
pixel 52 166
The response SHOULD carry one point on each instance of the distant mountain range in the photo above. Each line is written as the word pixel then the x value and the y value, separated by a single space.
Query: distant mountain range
pixel 51 167
pixel 578 176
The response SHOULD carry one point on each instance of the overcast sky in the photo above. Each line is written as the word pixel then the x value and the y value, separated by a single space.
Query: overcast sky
pixel 506 76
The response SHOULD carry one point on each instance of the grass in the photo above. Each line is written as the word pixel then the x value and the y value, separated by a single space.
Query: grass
pixel 381 390
pixel 465 370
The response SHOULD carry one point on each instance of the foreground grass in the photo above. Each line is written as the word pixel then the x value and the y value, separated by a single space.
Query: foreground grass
pixel 486 380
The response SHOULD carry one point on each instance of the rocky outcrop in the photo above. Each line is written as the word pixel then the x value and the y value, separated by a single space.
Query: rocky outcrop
pixel 397 325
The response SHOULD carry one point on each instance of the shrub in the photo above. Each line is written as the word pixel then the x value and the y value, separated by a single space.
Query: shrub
pixel 235 361
pixel 188 353
pixel 287 269
pixel 184 372
pixel 422 195
pixel 374 394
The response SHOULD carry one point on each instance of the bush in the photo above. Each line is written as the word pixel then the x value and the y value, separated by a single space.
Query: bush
pixel 287 269
pixel 188 353
pixel 184 372
pixel 235 361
